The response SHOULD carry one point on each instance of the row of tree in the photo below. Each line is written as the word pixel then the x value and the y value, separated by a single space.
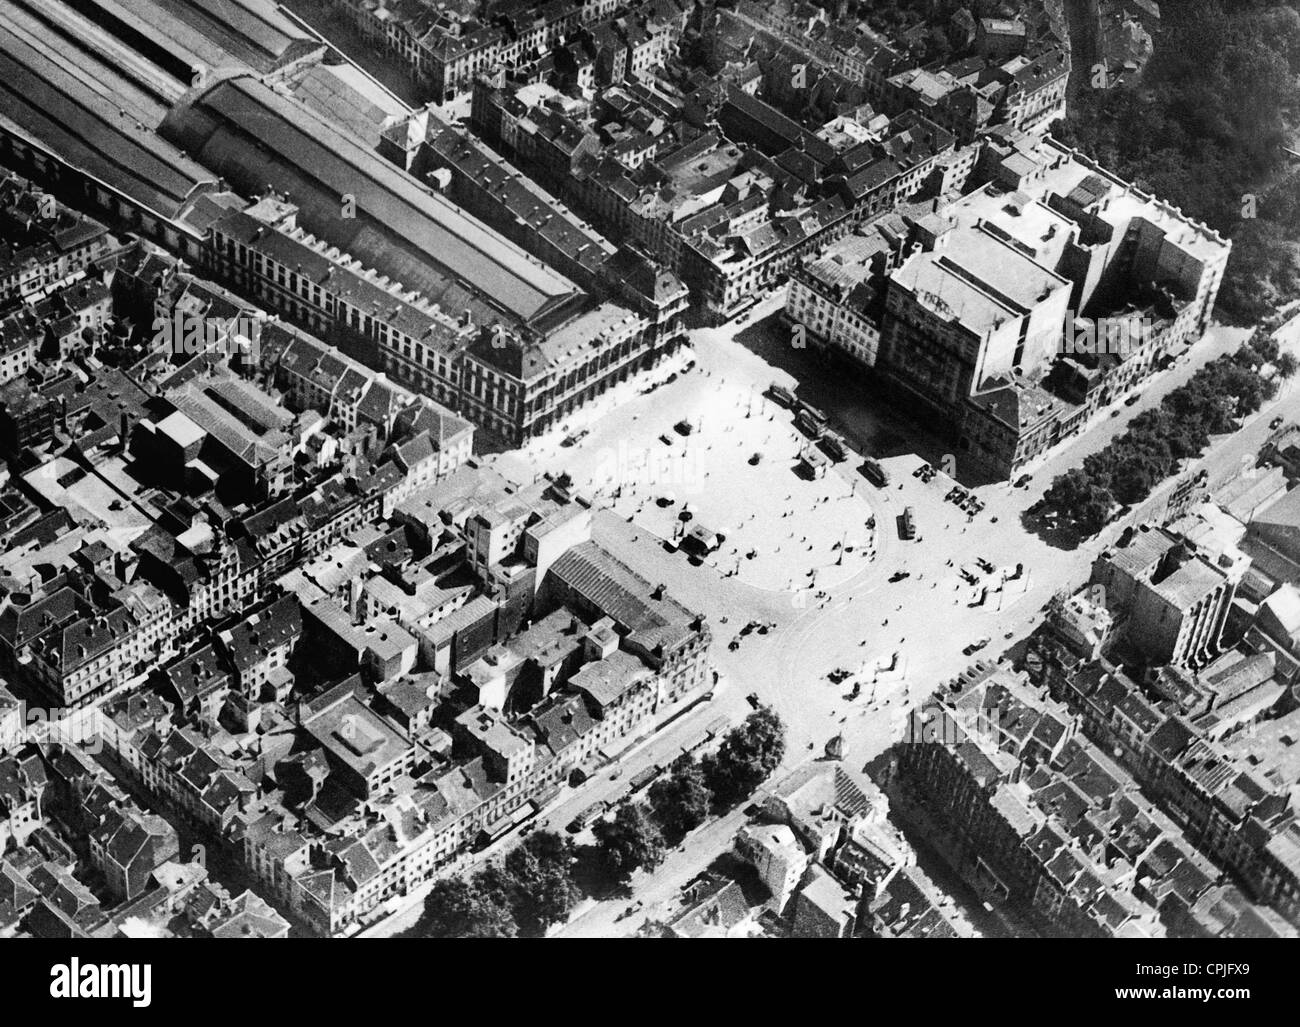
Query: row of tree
pixel 536 885
pixel 532 888
pixel 636 837
pixel 1211 403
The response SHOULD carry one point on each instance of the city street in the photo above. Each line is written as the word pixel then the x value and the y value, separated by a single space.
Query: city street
pixel 899 640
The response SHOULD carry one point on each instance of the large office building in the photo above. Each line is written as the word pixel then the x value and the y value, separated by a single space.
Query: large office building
pixel 1018 310
pixel 1175 595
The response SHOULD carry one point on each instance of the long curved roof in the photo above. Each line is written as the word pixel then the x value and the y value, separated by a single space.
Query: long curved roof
pixel 98 118
pixel 257 137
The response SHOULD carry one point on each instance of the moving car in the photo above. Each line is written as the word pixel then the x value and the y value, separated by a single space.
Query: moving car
pixel 644 778
pixel 584 818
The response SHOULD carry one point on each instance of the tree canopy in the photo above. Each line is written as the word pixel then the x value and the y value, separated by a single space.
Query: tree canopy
pixel 1203 126
pixel 456 908
pixel 629 842
pixel 1128 470
pixel 681 800
pixel 749 753
pixel 525 894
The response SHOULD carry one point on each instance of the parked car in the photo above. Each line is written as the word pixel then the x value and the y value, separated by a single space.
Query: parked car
pixel 834 447
pixel 908 530
pixel 1023 481
pixel 875 474
pixel 781 395
pixel 811 421
pixel 1275 424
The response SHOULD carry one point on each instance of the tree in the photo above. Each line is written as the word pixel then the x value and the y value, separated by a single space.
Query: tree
pixel 1202 128
pixel 629 842
pixel 1126 471
pixel 1135 479
pixel 551 848
pixel 495 885
pixel 749 753
pixel 1095 510
pixel 543 885
pixel 681 801
pixel 456 908
pixel 1068 490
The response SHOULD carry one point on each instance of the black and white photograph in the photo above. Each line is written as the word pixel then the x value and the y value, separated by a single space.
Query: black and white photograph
pixel 476 472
